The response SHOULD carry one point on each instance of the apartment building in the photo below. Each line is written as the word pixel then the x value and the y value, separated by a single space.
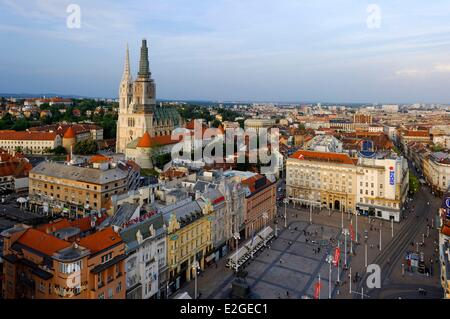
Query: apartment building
pixel 40 264
pixel 29 142
pixel 75 190
pixel 188 239
pixel 260 203
pixel 444 244
pixel 324 180
pixel 382 185
pixel 436 169
pixel 146 258
pixel 375 184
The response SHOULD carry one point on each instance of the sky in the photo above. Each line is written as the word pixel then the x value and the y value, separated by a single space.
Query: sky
pixel 232 50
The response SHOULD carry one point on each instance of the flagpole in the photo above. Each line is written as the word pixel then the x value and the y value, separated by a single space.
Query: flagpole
pixel 338 263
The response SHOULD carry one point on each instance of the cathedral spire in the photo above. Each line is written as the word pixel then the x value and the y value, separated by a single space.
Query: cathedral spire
pixel 126 71
pixel 144 70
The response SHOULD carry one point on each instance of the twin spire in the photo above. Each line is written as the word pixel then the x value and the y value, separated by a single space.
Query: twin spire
pixel 144 69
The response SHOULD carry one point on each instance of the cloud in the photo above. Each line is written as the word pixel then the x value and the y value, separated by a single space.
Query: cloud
pixel 409 72
pixel 442 68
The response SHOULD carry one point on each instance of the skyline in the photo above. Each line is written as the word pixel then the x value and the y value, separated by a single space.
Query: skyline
pixel 231 51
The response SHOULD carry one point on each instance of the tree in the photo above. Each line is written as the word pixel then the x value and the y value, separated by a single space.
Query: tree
pixel 21 125
pixel 59 150
pixel 216 123
pixel 86 147
pixel 414 183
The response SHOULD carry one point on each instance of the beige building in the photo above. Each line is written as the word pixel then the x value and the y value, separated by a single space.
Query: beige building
pixel 370 186
pixel 29 142
pixel 436 169
pixel 189 239
pixel 325 180
pixel 256 124
pixel 66 189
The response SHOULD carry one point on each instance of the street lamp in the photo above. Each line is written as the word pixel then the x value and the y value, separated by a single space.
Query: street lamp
pixel 310 213
pixel 285 214
pixel 365 254
pixel 329 261
pixel 338 263
pixel 350 280
pixel 380 237
pixel 265 217
pixel 346 233
pixel 237 237
pixel 195 267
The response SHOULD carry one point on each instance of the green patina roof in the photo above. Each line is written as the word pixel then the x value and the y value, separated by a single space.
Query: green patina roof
pixel 166 113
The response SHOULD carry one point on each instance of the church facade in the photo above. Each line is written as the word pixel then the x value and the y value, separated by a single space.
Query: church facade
pixel 138 112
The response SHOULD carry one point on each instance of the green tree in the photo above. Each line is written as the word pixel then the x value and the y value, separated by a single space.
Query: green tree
pixel 21 125
pixel 86 147
pixel 414 183
pixel 59 150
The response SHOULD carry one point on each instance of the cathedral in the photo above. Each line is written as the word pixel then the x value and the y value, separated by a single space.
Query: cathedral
pixel 139 114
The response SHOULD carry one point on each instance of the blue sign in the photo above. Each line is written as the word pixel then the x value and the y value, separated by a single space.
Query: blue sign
pixel 448 213
pixel 392 177
pixel 447 202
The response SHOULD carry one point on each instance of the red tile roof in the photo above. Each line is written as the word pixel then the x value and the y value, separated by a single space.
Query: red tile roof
pixel 417 133
pixel 101 240
pixel 27 135
pixel 250 182
pixel 42 242
pixel 98 158
pixel 145 141
pixel 324 157
pixel 84 224
pixel 69 133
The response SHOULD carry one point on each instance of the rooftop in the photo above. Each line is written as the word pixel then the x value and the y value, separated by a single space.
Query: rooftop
pixel 84 174
pixel 324 157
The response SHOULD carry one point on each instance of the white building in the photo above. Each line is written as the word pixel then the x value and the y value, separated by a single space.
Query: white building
pixel 29 142
pixel 382 185
pixel 390 108
pixel 146 262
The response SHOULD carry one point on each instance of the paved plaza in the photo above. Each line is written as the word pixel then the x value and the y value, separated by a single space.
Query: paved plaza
pixel 288 267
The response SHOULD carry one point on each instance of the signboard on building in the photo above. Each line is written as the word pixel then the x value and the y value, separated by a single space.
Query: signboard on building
pixel 391 176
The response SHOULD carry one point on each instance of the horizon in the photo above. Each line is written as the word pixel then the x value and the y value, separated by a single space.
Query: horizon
pixel 227 51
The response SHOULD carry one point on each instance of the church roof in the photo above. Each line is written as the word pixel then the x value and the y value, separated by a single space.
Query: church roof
pixel 145 141
pixel 69 133
pixel 161 114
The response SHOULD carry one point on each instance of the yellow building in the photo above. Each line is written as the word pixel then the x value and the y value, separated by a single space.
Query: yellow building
pixel 189 239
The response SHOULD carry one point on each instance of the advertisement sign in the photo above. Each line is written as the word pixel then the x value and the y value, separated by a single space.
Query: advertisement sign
pixel 391 176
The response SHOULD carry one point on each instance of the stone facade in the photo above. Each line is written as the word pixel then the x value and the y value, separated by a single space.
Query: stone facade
pixel 138 112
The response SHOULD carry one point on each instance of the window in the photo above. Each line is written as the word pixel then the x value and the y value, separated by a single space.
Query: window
pixel 106 257
pixel 110 293
pixel 101 296
pixel 119 288
pixel 68 268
